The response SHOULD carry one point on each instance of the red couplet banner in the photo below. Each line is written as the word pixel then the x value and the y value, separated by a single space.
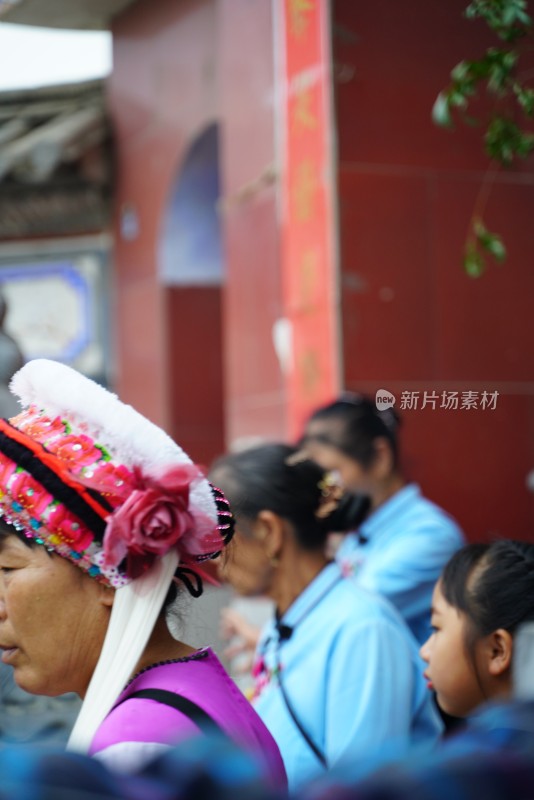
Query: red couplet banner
pixel 307 207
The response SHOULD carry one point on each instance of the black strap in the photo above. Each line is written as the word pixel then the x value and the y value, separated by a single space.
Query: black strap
pixel 187 707
pixel 284 633
pixel 304 733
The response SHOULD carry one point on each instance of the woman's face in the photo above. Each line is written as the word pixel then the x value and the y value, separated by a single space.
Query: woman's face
pixel 451 673
pixel 53 619
pixel 353 476
pixel 245 565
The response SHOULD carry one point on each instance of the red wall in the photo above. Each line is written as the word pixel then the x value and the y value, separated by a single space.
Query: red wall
pixel 255 392
pixel 195 371
pixel 412 320
pixel 162 93
pixel 178 67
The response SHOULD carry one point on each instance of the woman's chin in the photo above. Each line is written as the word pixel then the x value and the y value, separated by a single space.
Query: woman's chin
pixel 29 683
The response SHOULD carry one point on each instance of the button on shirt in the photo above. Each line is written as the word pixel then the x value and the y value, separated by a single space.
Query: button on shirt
pixel 351 670
pixel 400 552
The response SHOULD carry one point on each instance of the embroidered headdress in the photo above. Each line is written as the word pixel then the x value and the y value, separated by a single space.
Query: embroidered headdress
pixel 91 479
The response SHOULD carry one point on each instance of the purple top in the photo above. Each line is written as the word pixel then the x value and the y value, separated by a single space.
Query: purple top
pixel 202 679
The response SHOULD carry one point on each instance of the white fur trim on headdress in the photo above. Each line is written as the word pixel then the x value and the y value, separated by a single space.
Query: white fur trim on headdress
pixel 132 439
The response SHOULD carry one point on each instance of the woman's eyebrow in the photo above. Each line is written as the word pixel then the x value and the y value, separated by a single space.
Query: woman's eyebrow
pixel 6 545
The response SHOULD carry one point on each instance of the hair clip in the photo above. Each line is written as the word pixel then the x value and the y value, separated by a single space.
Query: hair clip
pixel 331 493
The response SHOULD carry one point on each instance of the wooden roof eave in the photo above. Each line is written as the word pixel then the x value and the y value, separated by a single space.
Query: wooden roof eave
pixel 35 155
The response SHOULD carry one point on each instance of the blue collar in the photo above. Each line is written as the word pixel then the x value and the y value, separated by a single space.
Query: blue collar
pixel 312 595
pixel 393 507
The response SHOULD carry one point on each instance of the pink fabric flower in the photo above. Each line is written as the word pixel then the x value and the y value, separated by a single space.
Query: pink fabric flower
pixel 152 520
pixel 42 428
pixel 78 451
pixel 115 481
pixel 69 529
pixel 30 494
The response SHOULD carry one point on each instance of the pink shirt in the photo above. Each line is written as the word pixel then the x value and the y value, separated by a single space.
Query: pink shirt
pixel 136 730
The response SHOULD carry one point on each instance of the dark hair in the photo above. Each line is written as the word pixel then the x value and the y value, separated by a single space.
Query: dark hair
pixel 492 584
pixel 6 529
pixel 360 423
pixel 266 478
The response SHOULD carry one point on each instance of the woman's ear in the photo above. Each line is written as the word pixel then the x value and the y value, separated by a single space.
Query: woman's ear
pixel 106 595
pixel 382 464
pixel 500 646
pixel 269 529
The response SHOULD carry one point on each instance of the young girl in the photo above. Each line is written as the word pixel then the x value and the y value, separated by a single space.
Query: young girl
pixel 485 592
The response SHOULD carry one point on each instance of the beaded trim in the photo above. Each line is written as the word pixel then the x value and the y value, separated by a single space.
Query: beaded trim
pixel 197 656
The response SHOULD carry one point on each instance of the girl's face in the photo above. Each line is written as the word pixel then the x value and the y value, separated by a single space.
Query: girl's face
pixel 451 673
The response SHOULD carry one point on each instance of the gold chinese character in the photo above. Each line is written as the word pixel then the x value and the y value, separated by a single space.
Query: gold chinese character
pixel 298 20
pixel 302 116
pixel 309 275
pixel 310 372
pixel 304 191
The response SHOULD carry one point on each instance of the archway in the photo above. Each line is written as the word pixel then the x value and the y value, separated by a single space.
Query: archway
pixel 190 266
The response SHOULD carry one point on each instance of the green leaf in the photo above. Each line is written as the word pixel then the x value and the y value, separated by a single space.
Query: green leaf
pixel 457 98
pixel 524 18
pixel 441 112
pixel 106 456
pixel 497 249
pixel 508 16
pixel 504 140
pixel 490 242
pixel 474 264
pixel 525 144
pixel 460 71
pixel 525 98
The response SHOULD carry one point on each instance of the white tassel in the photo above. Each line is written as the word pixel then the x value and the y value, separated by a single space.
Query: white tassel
pixel 136 608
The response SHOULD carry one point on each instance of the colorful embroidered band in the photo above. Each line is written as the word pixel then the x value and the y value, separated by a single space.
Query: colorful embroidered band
pixel 53 475
pixel 43 494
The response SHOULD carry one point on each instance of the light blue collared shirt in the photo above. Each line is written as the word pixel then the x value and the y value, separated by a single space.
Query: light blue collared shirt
pixel 351 670
pixel 409 541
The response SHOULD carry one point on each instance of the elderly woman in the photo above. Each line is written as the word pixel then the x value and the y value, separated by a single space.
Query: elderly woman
pixel 337 672
pixel 101 515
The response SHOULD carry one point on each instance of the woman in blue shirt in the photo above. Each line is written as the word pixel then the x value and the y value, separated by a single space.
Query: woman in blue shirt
pixel 403 545
pixel 337 671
